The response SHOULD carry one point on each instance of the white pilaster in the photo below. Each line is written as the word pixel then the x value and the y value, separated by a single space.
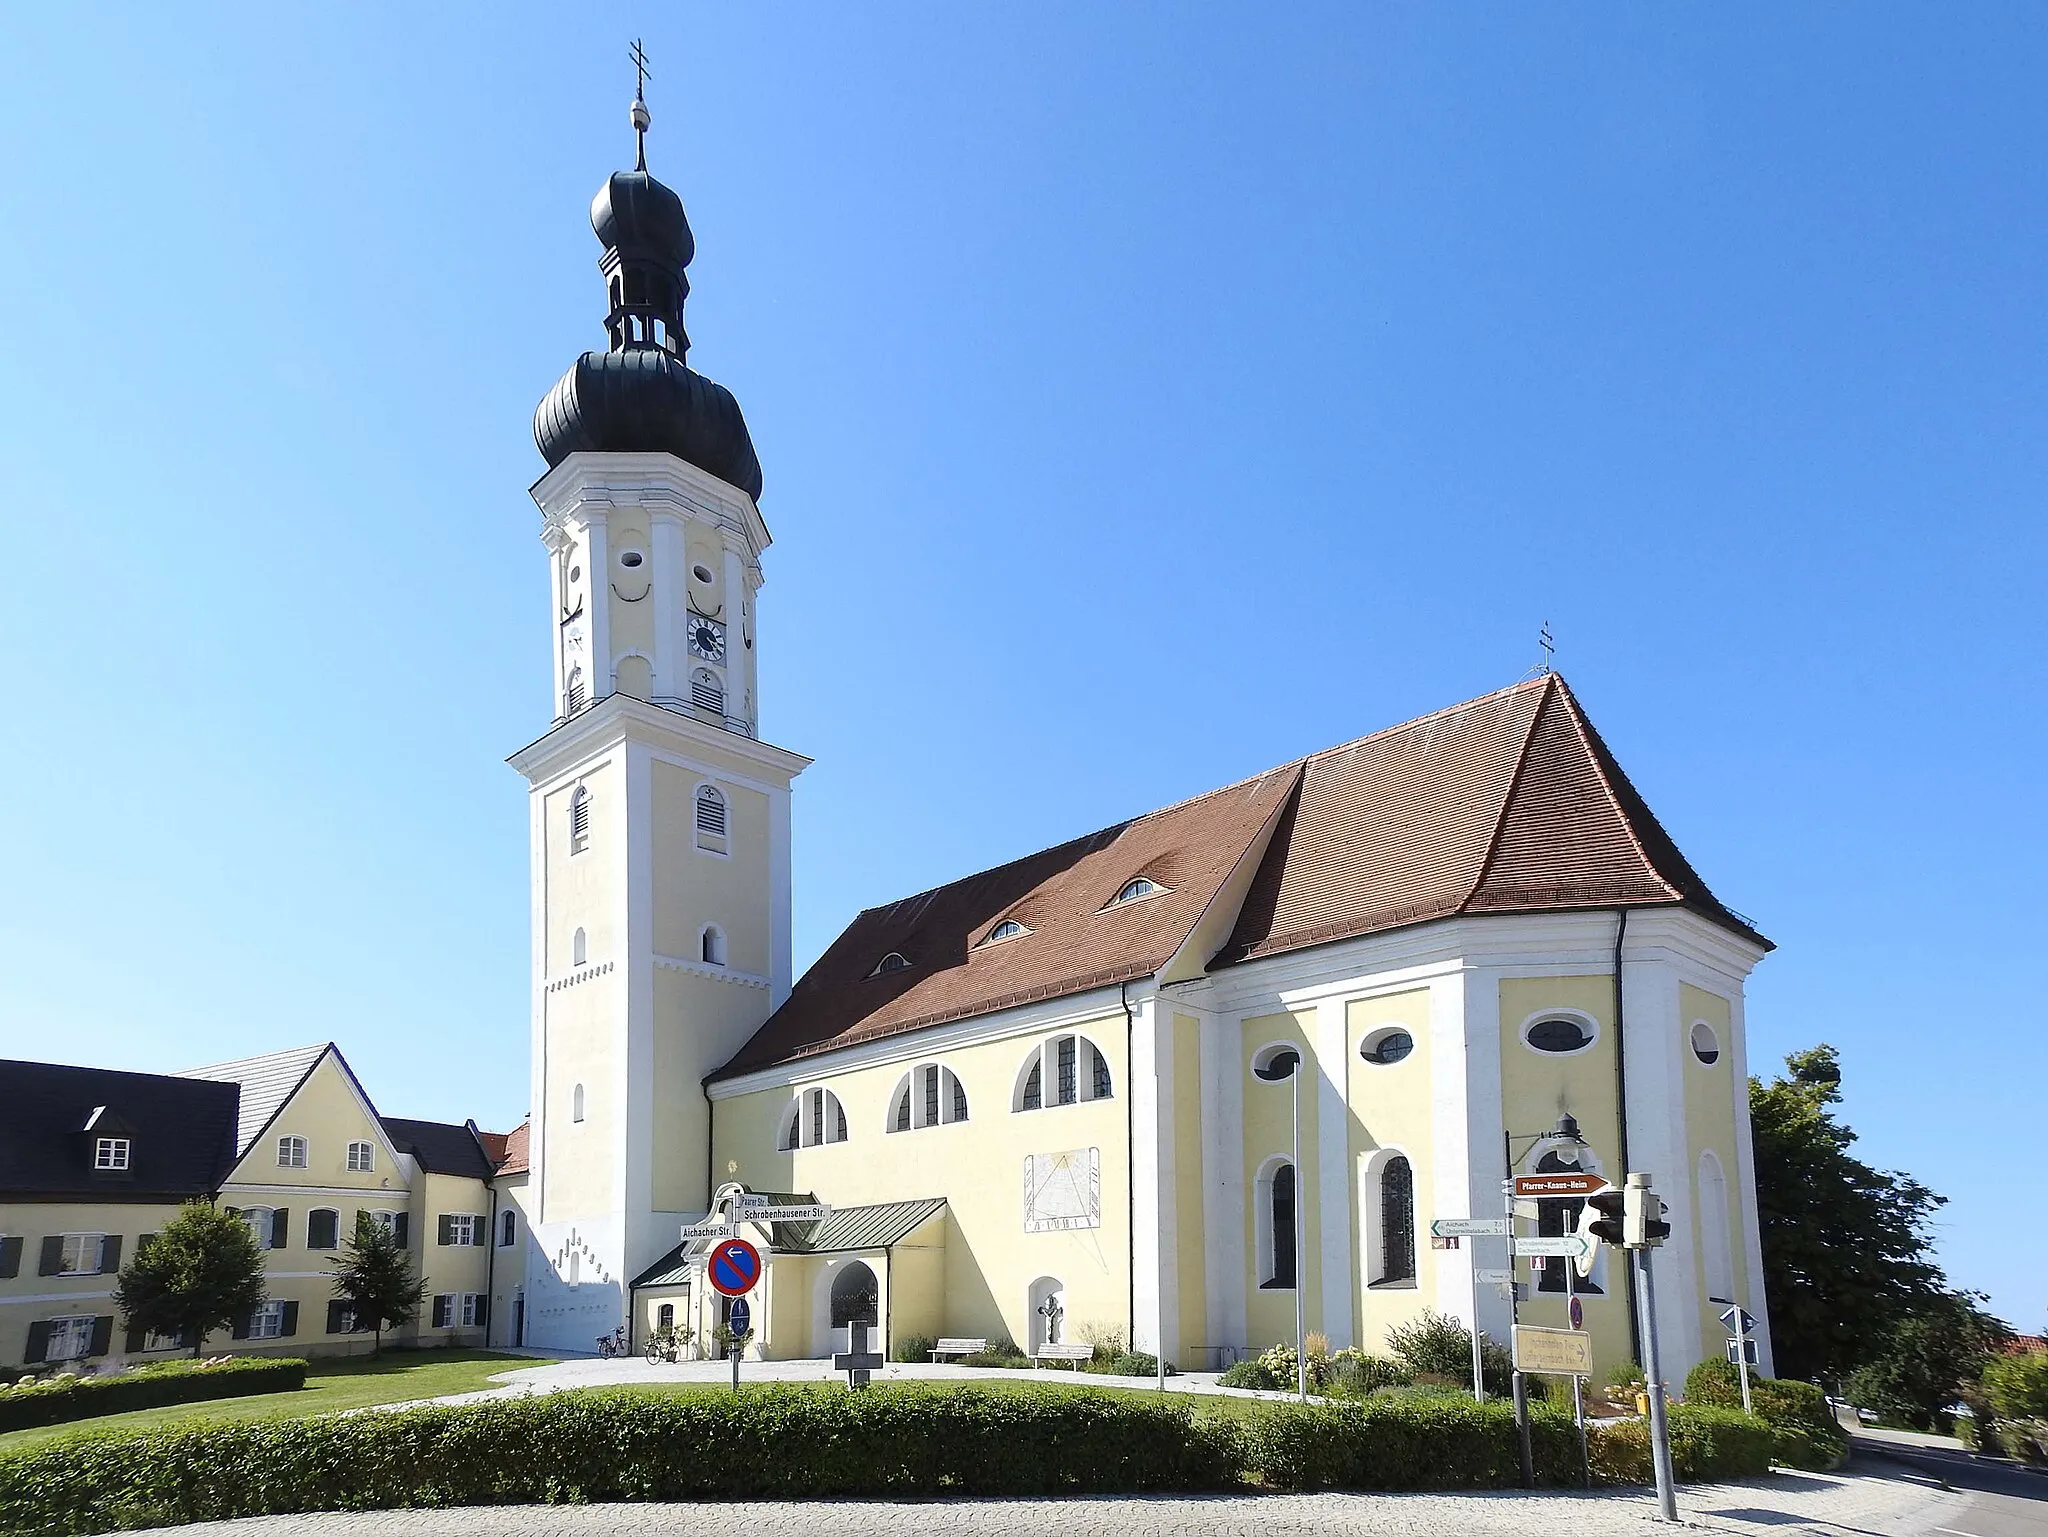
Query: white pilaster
pixel 738 693
pixel 598 574
pixel 1223 1178
pixel 1333 1164
pixel 1752 1295
pixel 1151 1072
pixel 671 594
pixel 1659 1144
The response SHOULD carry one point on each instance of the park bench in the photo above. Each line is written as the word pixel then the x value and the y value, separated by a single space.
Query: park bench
pixel 958 1348
pixel 1073 1355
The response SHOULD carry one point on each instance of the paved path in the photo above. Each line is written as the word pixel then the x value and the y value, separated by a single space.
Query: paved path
pixel 1798 1505
pixel 2001 1499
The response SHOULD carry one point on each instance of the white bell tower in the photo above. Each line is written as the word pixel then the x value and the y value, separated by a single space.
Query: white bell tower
pixel 660 823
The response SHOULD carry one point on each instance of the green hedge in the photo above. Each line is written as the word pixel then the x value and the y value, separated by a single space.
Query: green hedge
pixel 787 1441
pixel 55 1400
pixel 1806 1432
pixel 1708 1445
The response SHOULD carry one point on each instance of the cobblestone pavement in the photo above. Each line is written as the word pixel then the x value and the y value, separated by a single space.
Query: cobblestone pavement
pixel 1798 1505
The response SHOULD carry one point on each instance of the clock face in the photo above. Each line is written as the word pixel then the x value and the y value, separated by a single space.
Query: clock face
pixel 707 638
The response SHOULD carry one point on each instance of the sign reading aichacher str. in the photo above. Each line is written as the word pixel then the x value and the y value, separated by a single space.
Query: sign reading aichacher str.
pixel 735 1267
pixel 1553 1352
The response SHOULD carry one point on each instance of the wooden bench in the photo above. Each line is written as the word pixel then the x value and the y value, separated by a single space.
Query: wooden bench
pixel 1073 1355
pixel 958 1348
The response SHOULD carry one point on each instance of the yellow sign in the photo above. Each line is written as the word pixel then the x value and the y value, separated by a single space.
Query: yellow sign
pixel 1553 1352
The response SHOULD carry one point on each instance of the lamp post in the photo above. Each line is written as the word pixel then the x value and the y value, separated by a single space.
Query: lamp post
pixel 1286 1063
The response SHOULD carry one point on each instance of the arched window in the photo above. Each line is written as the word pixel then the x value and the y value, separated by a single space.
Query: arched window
pixel 576 1103
pixel 855 1297
pixel 815 1117
pixel 1554 1219
pixel 711 827
pixel 711 945
pixel 1065 1070
pixel 928 1095
pixel 1397 1223
pixel 1716 1245
pixel 362 1158
pixel 508 1229
pixel 706 692
pixel 579 949
pixel 579 820
pixel 578 694
pixel 665 1317
pixel 1009 928
pixel 893 961
pixel 323 1228
pixel 1141 887
pixel 1276 1229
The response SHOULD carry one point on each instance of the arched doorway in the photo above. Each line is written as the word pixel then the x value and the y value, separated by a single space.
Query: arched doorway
pixel 1048 1302
pixel 856 1297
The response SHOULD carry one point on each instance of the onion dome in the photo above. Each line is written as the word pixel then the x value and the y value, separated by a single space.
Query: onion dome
pixel 638 396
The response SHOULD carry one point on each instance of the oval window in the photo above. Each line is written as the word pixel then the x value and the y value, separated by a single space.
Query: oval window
pixel 1388 1046
pixel 701 573
pixel 1276 1064
pixel 1705 1044
pixel 631 558
pixel 575 573
pixel 1559 1035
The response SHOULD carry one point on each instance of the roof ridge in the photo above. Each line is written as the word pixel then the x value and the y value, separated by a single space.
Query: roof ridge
pixel 1635 837
pixel 1434 715
pixel 262 1056
pixel 1507 799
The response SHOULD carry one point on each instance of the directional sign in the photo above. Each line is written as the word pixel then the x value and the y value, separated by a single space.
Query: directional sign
pixel 1737 1320
pixel 1497 1277
pixel 1472 1227
pixel 741 1319
pixel 735 1267
pixel 812 1213
pixel 1565 1186
pixel 1554 1352
pixel 1741 1351
pixel 695 1230
pixel 1564 1246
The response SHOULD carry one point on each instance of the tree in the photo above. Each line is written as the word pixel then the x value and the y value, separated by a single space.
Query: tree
pixel 1844 1245
pixel 1923 1362
pixel 374 1275
pixel 201 1273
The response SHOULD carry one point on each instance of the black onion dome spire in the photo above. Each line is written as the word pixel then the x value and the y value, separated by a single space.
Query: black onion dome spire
pixel 638 396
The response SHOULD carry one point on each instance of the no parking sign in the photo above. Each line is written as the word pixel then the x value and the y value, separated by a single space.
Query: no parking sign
pixel 735 1267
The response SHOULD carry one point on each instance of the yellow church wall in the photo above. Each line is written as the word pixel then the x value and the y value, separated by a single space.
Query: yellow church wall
pixel 582 1036
pixel 1269 1133
pixel 582 889
pixel 730 890
pixel 915 1282
pixel 696 1019
pixel 1710 1091
pixel 1187 1183
pixel 632 615
pixel 1535 1088
pixel 1391 1111
pixel 990 1262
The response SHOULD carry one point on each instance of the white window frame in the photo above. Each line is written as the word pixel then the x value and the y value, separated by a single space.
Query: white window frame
pixel 1047 1056
pixel 1692 1044
pixel 576 1105
pixel 339 1236
pixel 810 1130
pixel 293 1151
pixel 1125 896
pixel 1370 1041
pixel 82 1247
pixel 387 1220
pixel 259 1220
pixel 111 1153
pixel 717 844
pixel 467 1306
pixel 508 1228
pixel 465 1230
pixel 1265 1257
pixel 362 1158
pixel 913 1084
pixel 75 1329
pixel 1580 1016
pixel 997 934
pixel 267 1321
pixel 1371 1203
pixel 579 819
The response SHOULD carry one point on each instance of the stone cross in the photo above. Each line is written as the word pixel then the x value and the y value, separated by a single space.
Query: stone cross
pixel 858 1361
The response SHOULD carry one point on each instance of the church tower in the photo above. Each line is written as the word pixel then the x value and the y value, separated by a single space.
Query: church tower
pixel 659 821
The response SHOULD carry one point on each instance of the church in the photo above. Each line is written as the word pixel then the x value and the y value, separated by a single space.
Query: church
pixel 1168 1081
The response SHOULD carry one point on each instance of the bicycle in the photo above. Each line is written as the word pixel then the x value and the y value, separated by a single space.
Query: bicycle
pixel 666 1345
pixel 614 1343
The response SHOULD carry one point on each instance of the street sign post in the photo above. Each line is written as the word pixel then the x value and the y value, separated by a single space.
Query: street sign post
pixel 696 1230
pixel 1578 1311
pixel 764 1213
pixel 1563 1246
pixel 1569 1185
pixel 858 1361
pixel 1741 1348
pixel 1472 1227
pixel 1553 1352
pixel 1496 1278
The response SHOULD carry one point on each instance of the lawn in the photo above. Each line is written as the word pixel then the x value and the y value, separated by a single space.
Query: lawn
pixel 340 1382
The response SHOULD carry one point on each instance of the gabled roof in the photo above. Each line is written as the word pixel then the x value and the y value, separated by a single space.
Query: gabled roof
pixel 1508 803
pixel 438 1147
pixel 1504 804
pixel 267 1083
pixel 1076 941
pixel 850 1229
pixel 182 1133
pixel 507 1149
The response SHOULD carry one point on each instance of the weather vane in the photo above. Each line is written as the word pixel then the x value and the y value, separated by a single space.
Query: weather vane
pixel 1543 639
pixel 640 116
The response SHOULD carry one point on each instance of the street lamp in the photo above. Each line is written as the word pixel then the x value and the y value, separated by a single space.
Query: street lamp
pixel 1286 1063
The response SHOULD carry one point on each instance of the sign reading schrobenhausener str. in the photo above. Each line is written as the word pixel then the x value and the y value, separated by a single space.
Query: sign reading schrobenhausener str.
pixel 1174 1074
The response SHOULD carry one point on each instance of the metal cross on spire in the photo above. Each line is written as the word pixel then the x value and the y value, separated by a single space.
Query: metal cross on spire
pixel 640 116
pixel 1543 639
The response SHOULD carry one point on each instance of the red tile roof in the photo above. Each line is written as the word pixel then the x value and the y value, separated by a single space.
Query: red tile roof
pixel 1507 803
pixel 506 1149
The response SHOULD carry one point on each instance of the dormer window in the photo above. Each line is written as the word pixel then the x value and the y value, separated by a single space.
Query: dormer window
pixel 1009 928
pixel 1141 887
pixel 110 1153
pixel 893 961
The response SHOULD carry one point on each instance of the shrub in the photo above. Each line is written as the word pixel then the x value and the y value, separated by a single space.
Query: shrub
pixel 1806 1432
pixel 1438 1345
pixel 57 1400
pixel 1252 1375
pixel 1706 1444
pixel 1002 1351
pixel 2016 1385
pixel 1353 1374
pixel 915 1347
pixel 1138 1363
pixel 1399 1442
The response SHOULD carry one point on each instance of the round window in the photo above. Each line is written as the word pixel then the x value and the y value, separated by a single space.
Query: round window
pixel 1276 1063
pixel 701 573
pixel 631 559
pixel 575 573
pixel 1386 1047
pixel 1559 1035
pixel 1705 1044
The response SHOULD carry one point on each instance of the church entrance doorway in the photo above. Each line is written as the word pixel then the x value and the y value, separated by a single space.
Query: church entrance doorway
pixel 855 1298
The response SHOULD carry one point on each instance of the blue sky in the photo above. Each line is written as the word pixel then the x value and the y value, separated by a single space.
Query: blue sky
pixel 1147 395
